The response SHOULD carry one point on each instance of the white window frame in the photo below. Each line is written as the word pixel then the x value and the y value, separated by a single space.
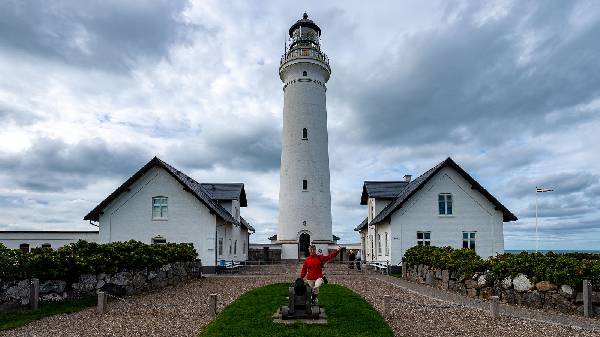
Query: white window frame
pixel 425 239
pixel 379 251
pixel 235 248
pixel 447 200
pixel 229 246
pixel 387 246
pixel 220 246
pixel 470 240
pixel 162 203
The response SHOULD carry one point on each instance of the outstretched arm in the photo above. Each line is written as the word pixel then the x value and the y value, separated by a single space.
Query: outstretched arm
pixel 325 258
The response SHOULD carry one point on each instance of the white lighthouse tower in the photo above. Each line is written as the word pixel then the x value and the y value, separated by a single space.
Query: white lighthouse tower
pixel 304 195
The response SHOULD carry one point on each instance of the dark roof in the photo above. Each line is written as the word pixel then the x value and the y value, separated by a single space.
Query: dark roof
pixel 381 190
pixel 226 191
pixel 304 22
pixel 336 238
pixel 247 225
pixel 274 237
pixel 418 183
pixel 362 224
pixel 189 184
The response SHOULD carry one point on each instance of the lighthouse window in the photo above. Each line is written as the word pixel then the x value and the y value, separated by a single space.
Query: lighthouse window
pixel 304 133
pixel 305 184
pixel 304 73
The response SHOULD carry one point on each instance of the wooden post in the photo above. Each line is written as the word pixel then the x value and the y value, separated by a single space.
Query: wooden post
pixel 587 298
pixel 102 303
pixel 34 293
pixel 494 303
pixel 403 269
pixel 387 305
pixel 212 305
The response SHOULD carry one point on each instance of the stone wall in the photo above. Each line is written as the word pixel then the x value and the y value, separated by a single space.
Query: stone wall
pixel 15 294
pixel 264 254
pixel 519 290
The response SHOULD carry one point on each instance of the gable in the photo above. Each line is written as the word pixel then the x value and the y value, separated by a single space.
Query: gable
pixel 413 187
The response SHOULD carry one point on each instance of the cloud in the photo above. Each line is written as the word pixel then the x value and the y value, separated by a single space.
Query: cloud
pixel 100 34
pixel 53 165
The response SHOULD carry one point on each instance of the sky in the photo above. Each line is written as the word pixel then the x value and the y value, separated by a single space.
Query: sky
pixel 91 90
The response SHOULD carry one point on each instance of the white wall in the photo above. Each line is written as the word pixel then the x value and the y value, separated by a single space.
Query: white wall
pixel 35 239
pixel 189 221
pixel 471 212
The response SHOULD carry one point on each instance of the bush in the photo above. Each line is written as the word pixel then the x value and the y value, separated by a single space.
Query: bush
pixel 68 262
pixel 570 268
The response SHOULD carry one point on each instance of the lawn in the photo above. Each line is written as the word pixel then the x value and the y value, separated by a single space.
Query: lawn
pixel 348 314
pixel 10 319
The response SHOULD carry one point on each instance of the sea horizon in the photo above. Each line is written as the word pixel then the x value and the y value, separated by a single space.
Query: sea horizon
pixel 516 251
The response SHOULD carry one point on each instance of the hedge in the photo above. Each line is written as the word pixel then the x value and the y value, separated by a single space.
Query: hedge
pixel 68 262
pixel 568 268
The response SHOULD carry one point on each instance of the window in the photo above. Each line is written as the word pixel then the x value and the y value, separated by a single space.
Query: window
pixel 244 248
pixel 372 249
pixel 469 240
pixel 424 238
pixel 46 245
pixel 157 240
pixel 445 204
pixel 220 246
pixel 304 73
pixel 379 244
pixel 229 246
pixel 387 246
pixel 159 208
pixel 235 248
pixel 304 133
pixel 24 247
pixel 305 184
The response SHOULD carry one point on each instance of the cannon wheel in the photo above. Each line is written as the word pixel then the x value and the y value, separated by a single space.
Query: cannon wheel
pixel 315 311
pixel 285 312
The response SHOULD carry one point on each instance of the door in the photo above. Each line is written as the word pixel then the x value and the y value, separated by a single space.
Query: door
pixel 303 243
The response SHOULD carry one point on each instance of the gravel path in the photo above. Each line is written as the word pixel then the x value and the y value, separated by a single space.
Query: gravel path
pixel 182 310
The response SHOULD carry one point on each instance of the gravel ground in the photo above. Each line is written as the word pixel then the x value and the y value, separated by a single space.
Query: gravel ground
pixel 182 310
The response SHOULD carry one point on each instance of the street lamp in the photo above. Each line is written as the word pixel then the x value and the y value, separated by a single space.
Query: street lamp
pixel 538 190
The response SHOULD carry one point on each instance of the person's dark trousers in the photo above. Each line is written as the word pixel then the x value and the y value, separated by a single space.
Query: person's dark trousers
pixel 358 264
pixel 351 265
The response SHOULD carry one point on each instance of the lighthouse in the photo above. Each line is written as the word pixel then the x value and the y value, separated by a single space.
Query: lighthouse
pixel 304 194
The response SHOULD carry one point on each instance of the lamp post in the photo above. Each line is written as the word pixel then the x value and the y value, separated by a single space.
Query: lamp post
pixel 538 190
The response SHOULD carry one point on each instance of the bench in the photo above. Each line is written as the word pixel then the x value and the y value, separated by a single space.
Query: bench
pixel 229 265
pixel 379 266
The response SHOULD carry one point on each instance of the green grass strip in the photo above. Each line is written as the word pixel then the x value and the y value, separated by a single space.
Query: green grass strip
pixel 348 314
pixel 10 319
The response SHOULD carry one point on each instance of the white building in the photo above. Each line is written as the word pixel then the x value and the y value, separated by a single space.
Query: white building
pixel 161 204
pixel 304 195
pixel 27 240
pixel 443 207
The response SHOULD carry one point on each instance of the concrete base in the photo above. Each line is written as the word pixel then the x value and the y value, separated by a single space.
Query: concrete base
pixel 289 251
pixel 209 270
pixel 321 320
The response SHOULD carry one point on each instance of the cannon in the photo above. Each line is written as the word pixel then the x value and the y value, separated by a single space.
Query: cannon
pixel 300 304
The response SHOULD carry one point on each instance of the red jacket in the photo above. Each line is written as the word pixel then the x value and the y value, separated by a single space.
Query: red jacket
pixel 312 265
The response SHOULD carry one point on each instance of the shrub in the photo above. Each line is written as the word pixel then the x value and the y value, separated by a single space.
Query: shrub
pixel 83 257
pixel 570 268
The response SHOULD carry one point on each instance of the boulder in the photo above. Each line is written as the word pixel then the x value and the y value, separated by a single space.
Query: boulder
pixel 557 302
pixel 438 274
pixel 429 278
pixel 123 278
pixel 18 292
pixel 452 285
pixel 460 287
pixel 52 297
pixel 508 296
pixel 470 284
pixel 53 286
pixel 87 282
pixel 545 286
pixel 486 292
pixel 507 283
pixel 522 283
pixel 533 299
pixel 166 267
pixel 445 276
pixel 139 280
pixel 481 281
pixel 472 292
pixel 567 291
pixel 151 275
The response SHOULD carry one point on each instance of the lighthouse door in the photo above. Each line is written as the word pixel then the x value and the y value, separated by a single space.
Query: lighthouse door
pixel 303 243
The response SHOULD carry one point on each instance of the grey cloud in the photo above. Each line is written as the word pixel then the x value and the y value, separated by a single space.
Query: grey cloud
pixel 16 115
pixel 252 149
pixel 562 183
pixel 465 83
pixel 97 34
pixel 53 165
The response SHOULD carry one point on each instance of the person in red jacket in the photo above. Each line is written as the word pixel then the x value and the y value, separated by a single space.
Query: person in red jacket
pixel 312 269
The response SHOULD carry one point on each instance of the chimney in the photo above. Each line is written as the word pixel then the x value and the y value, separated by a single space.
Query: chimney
pixel 407 178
